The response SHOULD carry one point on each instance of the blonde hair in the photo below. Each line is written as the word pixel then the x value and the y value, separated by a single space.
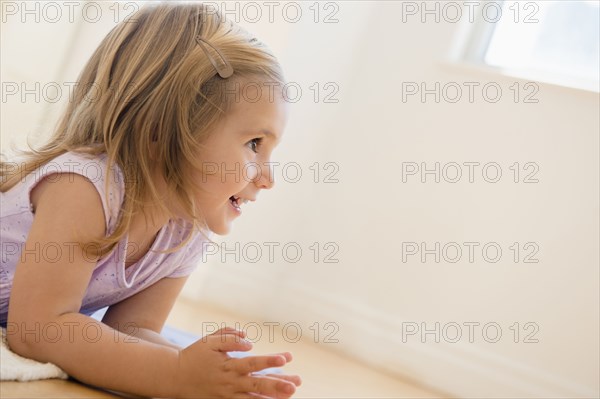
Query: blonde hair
pixel 152 82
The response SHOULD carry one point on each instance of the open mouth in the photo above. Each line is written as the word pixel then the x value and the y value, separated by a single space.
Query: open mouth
pixel 236 202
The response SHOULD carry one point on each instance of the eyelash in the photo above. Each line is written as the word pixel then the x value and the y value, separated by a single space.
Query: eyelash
pixel 258 140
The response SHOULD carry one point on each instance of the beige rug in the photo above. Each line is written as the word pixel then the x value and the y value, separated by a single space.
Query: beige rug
pixel 17 368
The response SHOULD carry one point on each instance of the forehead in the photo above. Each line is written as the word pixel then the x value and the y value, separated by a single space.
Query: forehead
pixel 258 107
pixel 256 92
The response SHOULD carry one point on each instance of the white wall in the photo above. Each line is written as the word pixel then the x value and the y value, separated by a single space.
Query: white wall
pixel 371 294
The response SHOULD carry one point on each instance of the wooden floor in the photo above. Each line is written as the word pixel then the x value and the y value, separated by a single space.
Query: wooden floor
pixel 325 374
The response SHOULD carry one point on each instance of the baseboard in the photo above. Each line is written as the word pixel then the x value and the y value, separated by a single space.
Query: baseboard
pixel 484 374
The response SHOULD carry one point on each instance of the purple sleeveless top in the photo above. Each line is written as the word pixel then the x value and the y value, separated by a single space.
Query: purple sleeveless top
pixel 111 282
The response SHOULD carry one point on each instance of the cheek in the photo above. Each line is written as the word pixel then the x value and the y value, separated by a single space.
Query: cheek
pixel 251 171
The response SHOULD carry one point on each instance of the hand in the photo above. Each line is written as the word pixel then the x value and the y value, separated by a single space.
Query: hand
pixel 206 371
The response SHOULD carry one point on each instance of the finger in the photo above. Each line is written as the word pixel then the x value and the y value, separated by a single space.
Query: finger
pixel 295 379
pixel 254 395
pixel 287 355
pixel 247 365
pixel 228 343
pixel 230 330
pixel 267 386
pixel 248 395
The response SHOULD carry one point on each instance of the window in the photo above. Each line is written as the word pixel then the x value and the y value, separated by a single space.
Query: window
pixel 551 41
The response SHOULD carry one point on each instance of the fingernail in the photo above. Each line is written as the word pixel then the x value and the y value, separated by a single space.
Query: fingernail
pixel 280 361
pixel 289 388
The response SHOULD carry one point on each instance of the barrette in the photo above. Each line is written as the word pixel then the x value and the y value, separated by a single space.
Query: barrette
pixel 223 67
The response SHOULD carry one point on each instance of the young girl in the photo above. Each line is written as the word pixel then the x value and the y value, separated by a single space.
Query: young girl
pixel 170 131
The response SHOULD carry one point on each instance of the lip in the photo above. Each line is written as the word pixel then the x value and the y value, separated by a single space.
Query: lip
pixel 243 200
pixel 236 210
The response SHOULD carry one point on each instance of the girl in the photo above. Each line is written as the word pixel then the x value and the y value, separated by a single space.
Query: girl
pixel 173 120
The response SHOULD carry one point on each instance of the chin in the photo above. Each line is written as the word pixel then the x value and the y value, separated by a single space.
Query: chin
pixel 220 229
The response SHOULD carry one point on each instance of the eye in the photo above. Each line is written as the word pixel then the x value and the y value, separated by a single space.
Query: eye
pixel 254 143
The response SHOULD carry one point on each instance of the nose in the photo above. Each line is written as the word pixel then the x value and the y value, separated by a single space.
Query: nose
pixel 265 177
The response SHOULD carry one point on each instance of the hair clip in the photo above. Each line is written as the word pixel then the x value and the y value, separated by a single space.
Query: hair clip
pixel 223 67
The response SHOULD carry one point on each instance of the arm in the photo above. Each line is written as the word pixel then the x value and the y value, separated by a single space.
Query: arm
pixel 43 316
pixel 44 321
pixel 153 336
pixel 143 315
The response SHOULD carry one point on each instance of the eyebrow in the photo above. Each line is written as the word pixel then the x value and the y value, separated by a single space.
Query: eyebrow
pixel 266 132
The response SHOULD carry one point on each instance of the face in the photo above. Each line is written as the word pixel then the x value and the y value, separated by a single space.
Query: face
pixel 237 157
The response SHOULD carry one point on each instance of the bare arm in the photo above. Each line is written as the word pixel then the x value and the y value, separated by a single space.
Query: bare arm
pixel 44 321
pixel 43 317
pixel 154 337
pixel 144 314
pixel 96 354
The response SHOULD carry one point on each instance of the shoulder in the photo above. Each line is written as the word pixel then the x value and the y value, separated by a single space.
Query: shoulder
pixel 83 176
pixel 69 197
